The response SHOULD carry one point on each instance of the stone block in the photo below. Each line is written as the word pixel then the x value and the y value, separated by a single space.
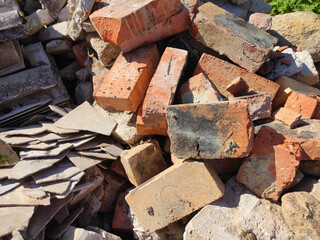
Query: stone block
pixel 53 6
pixel 129 25
pixel 310 167
pixel 55 31
pixel 11 57
pixel 198 89
pixel 210 131
pixel 169 196
pixel 36 55
pixel 163 84
pixel 128 79
pixel 261 20
pixel 223 32
pixel 80 52
pixel 143 162
pixel 222 73
pixel 36 21
pixel 288 117
pixel 58 46
pixel 260 6
pixel 237 86
pixel 64 14
pixel 11 27
pixel 272 166
pixel 240 10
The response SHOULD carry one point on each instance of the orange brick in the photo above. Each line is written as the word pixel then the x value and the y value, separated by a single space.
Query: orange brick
pixel 128 79
pixel 302 104
pixel 288 117
pixel 133 23
pixel 198 89
pixel 237 86
pixel 162 89
pixel 222 73
pixel 80 53
pixel 97 80
pixel 225 166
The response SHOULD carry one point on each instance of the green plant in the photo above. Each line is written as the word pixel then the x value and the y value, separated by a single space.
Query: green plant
pixel 286 6
pixel 4 159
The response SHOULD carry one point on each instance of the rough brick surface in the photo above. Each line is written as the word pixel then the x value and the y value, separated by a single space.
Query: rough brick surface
pixel 143 162
pixel 162 89
pixel 128 79
pixel 225 166
pixel 121 220
pixel 198 89
pixel 222 73
pixel 288 117
pixel 237 86
pixel 272 166
pixel 80 53
pixel 261 20
pixel 210 131
pixel 130 24
pixel 224 32
pixel 164 200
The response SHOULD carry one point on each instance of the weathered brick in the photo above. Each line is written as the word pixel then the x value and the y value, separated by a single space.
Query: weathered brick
pixel 143 162
pixel 128 79
pixel 302 104
pixel 121 220
pixel 163 85
pixel 210 131
pixel 272 166
pixel 129 24
pixel 287 85
pixel 225 166
pixel 80 53
pixel 237 86
pixel 224 32
pixel 97 80
pixel 261 20
pixel 222 73
pixel 198 89
pixel 169 196
pixel 288 117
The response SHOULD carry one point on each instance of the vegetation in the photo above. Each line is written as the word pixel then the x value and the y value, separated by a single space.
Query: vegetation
pixel 4 159
pixel 286 6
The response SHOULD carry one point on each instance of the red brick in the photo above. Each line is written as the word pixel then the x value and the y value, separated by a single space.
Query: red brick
pixel 127 81
pixel 225 166
pixel 317 111
pixel 272 166
pixel 198 89
pixel 80 53
pixel 97 80
pixel 261 20
pixel 288 117
pixel 162 89
pixel 302 104
pixel 222 73
pixel 237 86
pixel 132 23
pixel 121 220
pixel 117 168
pixel 224 32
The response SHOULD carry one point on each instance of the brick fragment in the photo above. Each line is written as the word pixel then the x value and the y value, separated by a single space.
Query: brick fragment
pixel 302 104
pixel 143 162
pixel 161 91
pixel 169 196
pixel 225 166
pixel 221 73
pixel 129 24
pixel 288 117
pixel 261 20
pixel 121 220
pixel 280 49
pixel 128 79
pixel 237 86
pixel 80 53
pixel 210 131
pixel 198 89
pixel 272 166
pixel 223 32
pixel 97 80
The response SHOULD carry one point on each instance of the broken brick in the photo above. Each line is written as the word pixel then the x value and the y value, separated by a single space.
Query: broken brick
pixel 127 81
pixel 225 166
pixel 237 86
pixel 222 73
pixel 210 131
pixel 80 53
pixel 164 200
pixel 288 117
pixel 163 85
pixel 261 20
pixel 121 220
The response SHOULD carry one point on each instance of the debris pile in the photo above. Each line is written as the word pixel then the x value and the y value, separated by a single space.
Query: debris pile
pixel 156 119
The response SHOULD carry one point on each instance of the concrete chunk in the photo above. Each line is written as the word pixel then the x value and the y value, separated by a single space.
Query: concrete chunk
pixel 170 196
pixel 224 32
pixel 36 21
pixel 53 6
pixel 55 31
pixel 36 55
pixel 11 57
pixel 210 131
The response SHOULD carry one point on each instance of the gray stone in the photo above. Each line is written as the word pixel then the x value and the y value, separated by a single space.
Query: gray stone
pixel 83 92
pixel 52 128
pixel 88 27
pixel 60 111
pixel 53 6
pixel 239 210
pixel 99 155
pixel 103 233
pixel 210 131
pixel 58 46
pixel 8 157
pixel 26 82
pixel 260 6
pixel 68 72
pixel 10 22
pixel 55 31
pixel 83 162
pixel 301 29
pixel 31 6
pixel 4 172
pixel 73 233
pixel 240 9
pixel 36 55
pixel 29 154
pixel 86 118
pixel 310 185
pixel 36 21
pixel 8 185
pixel 310 167
pixel 11 57
pixel 280 69
pixel 80 14
pixel 65 14
pixel 113 149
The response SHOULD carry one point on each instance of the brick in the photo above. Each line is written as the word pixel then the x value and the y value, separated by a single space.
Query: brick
pixel 222 73
pixel 97 80
pixel 169 196
pixel 317 110
pixel 198 89
pixel 36 21
pixel 261 20
pixel 288 117
pixel 36 55
pixel 80 53
pixel 210 131
pixel 302 104
pixel 272 166
pixel 121 220
pixel 287 85
pixel 55 31
pixel 11 57
pixel 117 168
pixel 128 79
pixel 143 162
pixel 163 85
pixel 223 32
pixel 259 105
pixel 237 86
pixel 127 22
pixel 53 6
pixel 225 166
pixel 58 46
